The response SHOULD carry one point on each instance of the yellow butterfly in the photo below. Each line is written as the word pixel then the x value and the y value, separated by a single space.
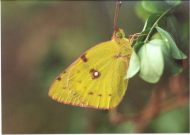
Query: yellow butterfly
pixel 96 78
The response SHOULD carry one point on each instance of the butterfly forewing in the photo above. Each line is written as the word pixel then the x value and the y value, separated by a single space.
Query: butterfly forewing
pixel 96 78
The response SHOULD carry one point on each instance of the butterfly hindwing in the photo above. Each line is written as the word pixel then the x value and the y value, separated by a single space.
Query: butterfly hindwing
pixel 96 78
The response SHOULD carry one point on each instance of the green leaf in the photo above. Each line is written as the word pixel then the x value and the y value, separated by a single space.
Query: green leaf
pixel 143 14
pixel 150 21
pixel 152 61
pixel 173 26
pixel 155 7
pixel 171 45
pixel 156 36
pixel 134 66
pixel 137 45
pixel 147 26
pixel 172 66
pixel 173 2
pixel 168 60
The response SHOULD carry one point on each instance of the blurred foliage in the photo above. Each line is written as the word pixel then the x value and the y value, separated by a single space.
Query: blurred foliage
pixel 127 127
pixel 41 38
pixel 171 121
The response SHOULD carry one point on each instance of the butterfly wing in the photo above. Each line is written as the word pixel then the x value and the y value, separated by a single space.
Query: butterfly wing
pixel 96 79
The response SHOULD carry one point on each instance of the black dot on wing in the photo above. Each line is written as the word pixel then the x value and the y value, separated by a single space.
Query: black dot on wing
pixel 58 78
pixel 110 95
pixel 64 72
pixel 95 73
pixel 90 93
pixel 84 58
pixel 99 95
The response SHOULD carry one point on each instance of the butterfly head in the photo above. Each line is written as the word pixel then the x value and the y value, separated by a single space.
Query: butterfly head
pixel 118 34
pixel 119 37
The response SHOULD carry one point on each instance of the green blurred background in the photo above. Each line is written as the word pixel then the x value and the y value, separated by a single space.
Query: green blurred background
pixel 41 38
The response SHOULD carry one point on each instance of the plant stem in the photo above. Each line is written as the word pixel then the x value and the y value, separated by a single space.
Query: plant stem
pixel 156 22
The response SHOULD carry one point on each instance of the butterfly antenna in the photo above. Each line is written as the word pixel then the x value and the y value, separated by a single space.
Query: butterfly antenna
pixel 117 8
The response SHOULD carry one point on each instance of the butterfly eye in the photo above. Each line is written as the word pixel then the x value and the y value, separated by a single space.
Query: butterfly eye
pixel 120 34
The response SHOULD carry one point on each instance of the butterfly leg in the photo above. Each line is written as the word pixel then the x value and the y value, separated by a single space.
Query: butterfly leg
pixel 134 37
